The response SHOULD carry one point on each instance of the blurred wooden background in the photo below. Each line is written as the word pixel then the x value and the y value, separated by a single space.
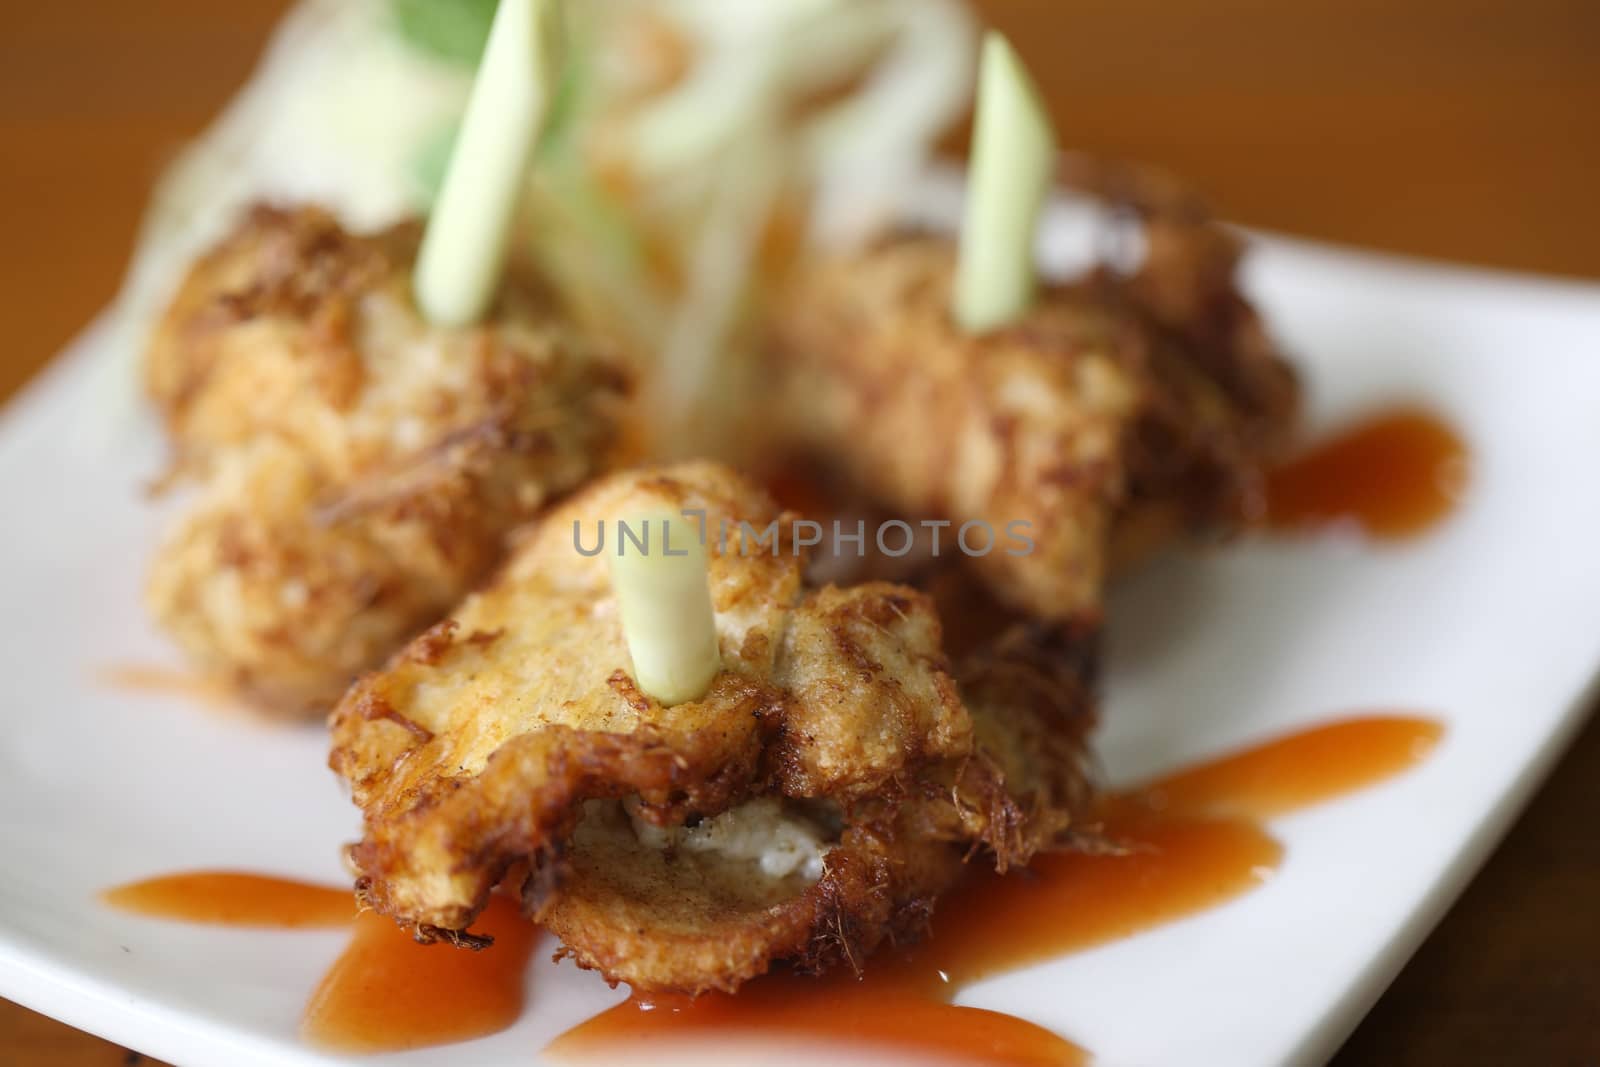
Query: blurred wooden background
pixel 1462 129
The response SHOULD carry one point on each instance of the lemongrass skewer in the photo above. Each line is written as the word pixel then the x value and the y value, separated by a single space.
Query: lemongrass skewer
pixel 464 248
pixel 664 597
pixel 1013 161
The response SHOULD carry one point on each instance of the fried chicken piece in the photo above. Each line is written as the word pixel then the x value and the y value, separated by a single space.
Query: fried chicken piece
pixel 357 468
pixel 814 802
pixel 1116 414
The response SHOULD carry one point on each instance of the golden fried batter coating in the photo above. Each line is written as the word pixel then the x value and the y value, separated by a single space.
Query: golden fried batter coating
pixel 1115 413
pixel 357 469
pixel 667 846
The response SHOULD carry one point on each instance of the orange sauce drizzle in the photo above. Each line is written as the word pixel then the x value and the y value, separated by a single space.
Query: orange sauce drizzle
pixel 1182 844
pixel 1395 475
pixel 1176 846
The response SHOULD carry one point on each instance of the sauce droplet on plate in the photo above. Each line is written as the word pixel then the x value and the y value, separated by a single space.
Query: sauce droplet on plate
pixel 1395 475
pixel 387 992
pixel 1177 846
pixel 166 681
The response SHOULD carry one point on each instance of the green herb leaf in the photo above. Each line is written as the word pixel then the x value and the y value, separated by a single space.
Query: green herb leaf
pixel 450 29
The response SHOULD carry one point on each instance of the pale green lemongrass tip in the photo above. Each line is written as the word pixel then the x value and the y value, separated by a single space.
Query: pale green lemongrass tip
pixel 664 597
pixel 464 247
pixel 1013 162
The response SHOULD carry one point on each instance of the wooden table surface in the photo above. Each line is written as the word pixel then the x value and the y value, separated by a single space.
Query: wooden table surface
pixel 1463 129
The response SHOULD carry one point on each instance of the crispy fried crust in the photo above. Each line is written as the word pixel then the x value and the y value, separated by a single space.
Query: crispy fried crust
pixel 1115 414
pixel 663 923
pixel 357 469
pixel 670 923
pixel 510 733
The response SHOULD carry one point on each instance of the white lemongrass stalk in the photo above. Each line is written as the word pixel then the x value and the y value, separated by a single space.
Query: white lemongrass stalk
pixel 664 596
pixel 464 247
pixel 1013 161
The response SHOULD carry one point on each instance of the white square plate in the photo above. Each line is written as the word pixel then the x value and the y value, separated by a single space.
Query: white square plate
pixel 1491 624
